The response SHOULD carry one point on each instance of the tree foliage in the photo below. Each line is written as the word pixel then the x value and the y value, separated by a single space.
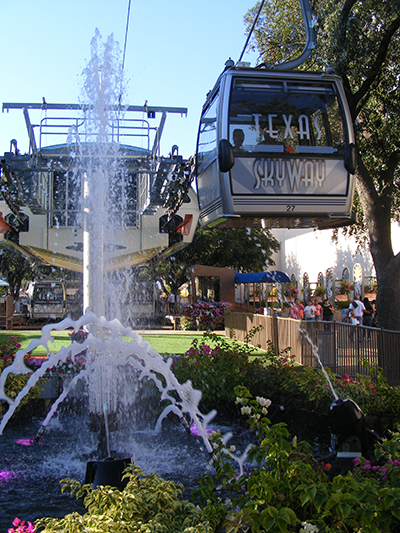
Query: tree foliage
pixel 15 269
pixel 238 248
pixel 360 39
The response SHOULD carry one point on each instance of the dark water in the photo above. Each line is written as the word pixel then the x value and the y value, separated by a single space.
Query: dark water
pixel 30 474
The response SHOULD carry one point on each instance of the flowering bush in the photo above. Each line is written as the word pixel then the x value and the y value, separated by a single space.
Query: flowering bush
pixel 372 288
pixel 345 287
pixel 8 349
pixel 320 290
pixel 71 366
pixel 14 382
pixel 291 290
pixel 372 392
pixel 203 316
pixel 22 527
pixel 215 367
pixel 288 489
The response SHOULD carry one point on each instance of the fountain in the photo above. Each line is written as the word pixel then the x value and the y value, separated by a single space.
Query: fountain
pixel 117 358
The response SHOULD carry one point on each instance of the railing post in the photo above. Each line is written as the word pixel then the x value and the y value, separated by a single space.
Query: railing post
pixel 276 334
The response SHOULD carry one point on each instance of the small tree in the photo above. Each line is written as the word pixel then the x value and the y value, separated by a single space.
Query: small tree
pixel 238 248
pixel 15 269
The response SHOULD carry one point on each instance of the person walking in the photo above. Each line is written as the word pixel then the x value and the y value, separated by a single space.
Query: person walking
pixel 318 310
pixel 328 311
pixel 309 311
pixel 300 307
pixel 294 312
pixel 368 315
pixel 357 307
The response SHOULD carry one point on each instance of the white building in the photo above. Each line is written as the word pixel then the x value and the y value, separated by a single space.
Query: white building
pixel 312 252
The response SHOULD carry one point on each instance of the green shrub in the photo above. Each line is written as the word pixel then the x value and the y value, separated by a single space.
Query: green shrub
pixel 289 489
pixel 216 367
pixel 148 504
pixel 14 382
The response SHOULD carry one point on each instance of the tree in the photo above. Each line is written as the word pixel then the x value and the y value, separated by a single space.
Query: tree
pixel 360 39
pixel 15 269
pixel 238 248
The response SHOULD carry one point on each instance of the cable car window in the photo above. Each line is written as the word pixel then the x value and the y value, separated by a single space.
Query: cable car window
pixel 49 293
pixel 285 117
pixel 207 139
pixel 66 199
pixel 122 201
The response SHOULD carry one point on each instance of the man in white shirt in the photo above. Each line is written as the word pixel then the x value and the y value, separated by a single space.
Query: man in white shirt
pixel 358 309
pixel 309 311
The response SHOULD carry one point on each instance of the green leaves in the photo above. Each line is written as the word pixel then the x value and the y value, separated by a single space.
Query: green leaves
pixel 148 504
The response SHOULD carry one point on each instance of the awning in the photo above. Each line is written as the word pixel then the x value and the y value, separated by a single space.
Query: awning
pixel 274 276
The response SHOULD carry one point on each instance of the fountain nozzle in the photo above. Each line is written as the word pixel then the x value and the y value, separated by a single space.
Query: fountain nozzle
pixel 39 434
pixel 344 415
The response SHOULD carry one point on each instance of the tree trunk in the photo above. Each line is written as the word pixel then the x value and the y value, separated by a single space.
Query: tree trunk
pixel 387 265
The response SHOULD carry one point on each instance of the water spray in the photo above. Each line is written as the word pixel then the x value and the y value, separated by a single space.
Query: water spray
pixel 106 430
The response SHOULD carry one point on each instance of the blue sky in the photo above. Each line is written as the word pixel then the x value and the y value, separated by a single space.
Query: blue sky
pixel 175 51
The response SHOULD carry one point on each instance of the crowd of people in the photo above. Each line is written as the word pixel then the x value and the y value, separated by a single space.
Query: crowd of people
pixel 313 310
pixel 359 312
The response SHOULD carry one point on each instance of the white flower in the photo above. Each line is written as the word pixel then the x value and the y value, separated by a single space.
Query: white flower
pixel 246 410
pixel 263 401
pixel 232 449
pixel 308 528
pixel 264 411
pixel 238 400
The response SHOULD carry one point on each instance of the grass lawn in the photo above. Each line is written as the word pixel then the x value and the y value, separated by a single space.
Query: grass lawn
pixel 164 343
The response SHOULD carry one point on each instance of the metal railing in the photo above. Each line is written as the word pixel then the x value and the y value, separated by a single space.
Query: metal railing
pixel 343 348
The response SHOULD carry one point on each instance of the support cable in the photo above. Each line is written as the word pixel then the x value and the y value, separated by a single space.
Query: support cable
pixel 251 31
pixel 126 35
pixel 124 53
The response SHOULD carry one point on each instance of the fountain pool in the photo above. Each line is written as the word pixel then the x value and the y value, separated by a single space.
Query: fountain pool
pixel 30 474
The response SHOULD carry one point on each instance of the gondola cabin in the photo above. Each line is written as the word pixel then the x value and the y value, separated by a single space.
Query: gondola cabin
pixel 275 149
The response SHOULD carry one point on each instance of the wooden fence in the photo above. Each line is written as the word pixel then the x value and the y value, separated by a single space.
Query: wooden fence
pixel 342 348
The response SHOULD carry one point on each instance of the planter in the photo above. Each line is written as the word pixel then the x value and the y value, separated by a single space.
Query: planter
pixel 342 297
pixel 50 388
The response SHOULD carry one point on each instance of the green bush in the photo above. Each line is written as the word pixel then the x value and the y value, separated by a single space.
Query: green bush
pixel 288 489
pixel 284 490
pixel 14 382
pixel 148 504
pixel 216 367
